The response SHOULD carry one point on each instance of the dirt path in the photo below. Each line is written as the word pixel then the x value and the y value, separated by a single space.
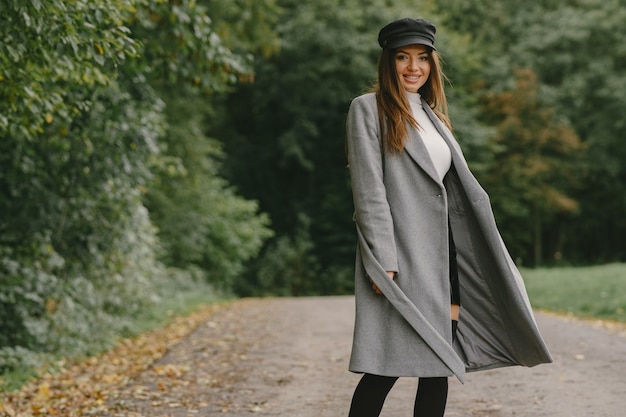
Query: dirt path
pixel 289 357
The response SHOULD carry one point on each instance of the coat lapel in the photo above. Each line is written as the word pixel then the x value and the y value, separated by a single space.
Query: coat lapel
pixel 417 151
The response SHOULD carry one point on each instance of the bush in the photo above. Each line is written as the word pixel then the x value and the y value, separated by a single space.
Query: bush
pixel 50 306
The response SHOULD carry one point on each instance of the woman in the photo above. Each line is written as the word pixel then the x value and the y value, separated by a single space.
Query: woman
pixel 429 253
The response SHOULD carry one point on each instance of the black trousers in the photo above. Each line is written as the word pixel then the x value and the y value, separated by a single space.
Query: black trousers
pixel 371 392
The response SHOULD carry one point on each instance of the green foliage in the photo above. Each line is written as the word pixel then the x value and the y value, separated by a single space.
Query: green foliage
pixel 577 51
pixel 583 63
pixel 288 267
pixel 202 222
pixel 53 306
pixel 586 292
pixel 246 26
pixel 86 124
pixel 180 46
pixel 536 162
pixel 73 230
pixel 49 45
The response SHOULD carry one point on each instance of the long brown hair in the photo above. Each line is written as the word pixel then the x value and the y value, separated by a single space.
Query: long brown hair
pixel 394 109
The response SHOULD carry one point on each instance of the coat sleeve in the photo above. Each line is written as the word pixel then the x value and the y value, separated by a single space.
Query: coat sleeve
pixel 365 159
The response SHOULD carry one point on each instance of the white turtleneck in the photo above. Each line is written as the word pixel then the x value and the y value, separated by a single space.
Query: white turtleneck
pixel 438 150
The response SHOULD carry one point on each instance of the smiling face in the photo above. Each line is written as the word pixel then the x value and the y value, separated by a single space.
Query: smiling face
pixel 413 66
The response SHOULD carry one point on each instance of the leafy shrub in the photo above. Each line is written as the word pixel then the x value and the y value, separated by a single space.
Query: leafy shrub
pixel 288 267
pixel 83 124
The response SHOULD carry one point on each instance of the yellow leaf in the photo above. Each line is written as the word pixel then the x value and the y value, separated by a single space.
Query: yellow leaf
pixel 51 305
pixel 8 410
pixel 110 379
pixel 49 118
pixel 43 393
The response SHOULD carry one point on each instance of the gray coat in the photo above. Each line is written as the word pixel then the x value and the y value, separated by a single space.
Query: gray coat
pixel 401 214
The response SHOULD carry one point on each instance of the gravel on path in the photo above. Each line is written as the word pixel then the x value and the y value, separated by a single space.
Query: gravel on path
pixel 289 356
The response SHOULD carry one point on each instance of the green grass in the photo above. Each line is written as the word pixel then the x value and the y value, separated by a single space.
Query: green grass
pixel 179 304
pixel 586 292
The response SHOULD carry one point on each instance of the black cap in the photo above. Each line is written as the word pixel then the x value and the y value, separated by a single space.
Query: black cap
pixel 407 31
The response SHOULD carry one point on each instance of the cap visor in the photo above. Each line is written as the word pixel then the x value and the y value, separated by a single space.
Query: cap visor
pixel 409 40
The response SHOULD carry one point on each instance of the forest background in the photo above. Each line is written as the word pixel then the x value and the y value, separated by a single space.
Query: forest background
pixel 154 150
